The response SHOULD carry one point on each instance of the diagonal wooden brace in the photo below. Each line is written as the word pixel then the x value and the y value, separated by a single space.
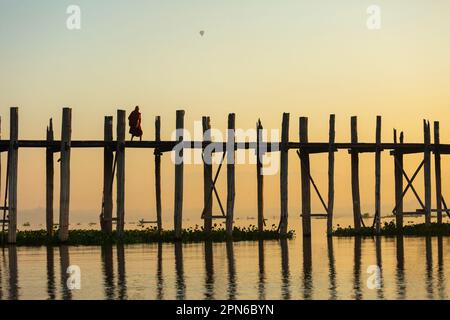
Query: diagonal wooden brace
pixel 213 188
pixel 410 185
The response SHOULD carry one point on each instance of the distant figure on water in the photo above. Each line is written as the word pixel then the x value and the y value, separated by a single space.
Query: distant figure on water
pixel 134 121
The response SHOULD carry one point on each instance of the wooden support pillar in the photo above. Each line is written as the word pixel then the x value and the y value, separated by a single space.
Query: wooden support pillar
pixel 378 176
pixel 158 174
pixel 178 207
pixel 49 177
pixel 331 150
pixel 64 196
pixel 230 173
pixel 283 228
pixel 398 173
pixel 207 176
pixel 355 176
pixel 108 163
pixel 259 176
pixel 306 183
pixel 437 168
pixel 13 154
pixel 120 174
pixel 427 171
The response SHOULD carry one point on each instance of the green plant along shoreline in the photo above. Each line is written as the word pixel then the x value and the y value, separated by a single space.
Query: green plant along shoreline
pixel 390 229
pixel 149 235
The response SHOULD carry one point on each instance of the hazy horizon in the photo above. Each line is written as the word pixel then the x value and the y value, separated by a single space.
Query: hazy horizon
pixel 258 60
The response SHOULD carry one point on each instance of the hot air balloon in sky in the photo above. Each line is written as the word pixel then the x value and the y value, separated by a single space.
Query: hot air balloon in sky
pixel 202 33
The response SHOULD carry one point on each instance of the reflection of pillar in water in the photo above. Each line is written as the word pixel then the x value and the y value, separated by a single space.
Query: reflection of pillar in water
pixel 122 281
pixel 1 273
pixel 429 267
pixel 51 273
pixel 262 275
pixel 331 269
pixel 380 266
pixel 64 261
pixel 307 268
pixel 209 271
pixel 441 274
pixel 400 272
pixel 159 274
pixel 285 273
pixel 13 273
pixel 108 271
pixel 357 269
pixel 231 271
pixel 179 268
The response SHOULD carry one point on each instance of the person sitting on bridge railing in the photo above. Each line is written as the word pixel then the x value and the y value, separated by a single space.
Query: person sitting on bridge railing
pixel 134 121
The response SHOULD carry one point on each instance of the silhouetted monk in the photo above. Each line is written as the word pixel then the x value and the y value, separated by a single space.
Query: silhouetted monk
pixel 134 120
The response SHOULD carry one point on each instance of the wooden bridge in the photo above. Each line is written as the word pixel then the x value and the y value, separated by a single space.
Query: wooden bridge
pixel 114 165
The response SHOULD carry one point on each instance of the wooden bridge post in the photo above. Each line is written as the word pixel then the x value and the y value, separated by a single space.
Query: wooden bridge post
pixel 284 149
pixel 427 171
pixel 398 174
pixel 207 176
pixel 64 197
pixel 108 163
pixel 355 176
pixel 305 174
pixel 120 174
pixel 178 207
pixel 158 174
pixel 331 151
pixel 437 168
pixel 13 155
pixel 259 175
pixel 231 159
pixel 378 176
pixel 49 176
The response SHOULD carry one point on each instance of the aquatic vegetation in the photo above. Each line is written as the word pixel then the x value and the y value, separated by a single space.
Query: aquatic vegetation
pixel 390 229
pixel 149 235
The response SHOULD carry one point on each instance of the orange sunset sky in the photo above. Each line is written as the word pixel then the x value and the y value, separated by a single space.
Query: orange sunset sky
pixel 256 58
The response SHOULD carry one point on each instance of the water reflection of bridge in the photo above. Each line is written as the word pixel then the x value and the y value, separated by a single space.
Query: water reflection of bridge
pixel 115 284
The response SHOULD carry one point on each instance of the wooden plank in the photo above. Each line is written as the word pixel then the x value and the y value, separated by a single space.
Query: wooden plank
pixel 158 174
pixel 378 177
pixel 398 175
pixel 355 176
pixel 284 165
pixel 230 173
pixel 427 172
pixel 64 197
pixel 331 150
pixel 108 178
pixel 12 172
pixel 207 176
pixel 178 207
pixel 120 172
pixel 167 146
pixel 305 184
pixel 259 176
pixel 49 177
pixel 437 168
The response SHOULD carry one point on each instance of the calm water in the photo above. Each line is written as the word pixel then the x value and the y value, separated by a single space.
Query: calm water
pixel 411 268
